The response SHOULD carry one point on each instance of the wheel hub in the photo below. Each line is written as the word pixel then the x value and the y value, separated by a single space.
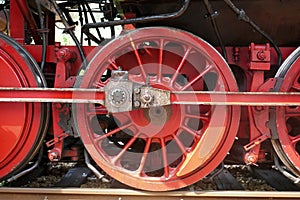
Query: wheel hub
pixel 157 122
pixel 118 97
pixel 158 115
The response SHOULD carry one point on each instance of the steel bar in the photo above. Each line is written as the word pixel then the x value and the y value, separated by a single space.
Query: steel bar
pixel 80 95
pixel 59 95
pixel 107 194
pixel 237 98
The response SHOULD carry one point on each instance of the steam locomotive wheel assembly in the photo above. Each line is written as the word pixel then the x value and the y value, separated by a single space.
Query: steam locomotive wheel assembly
pixel 22 124
pixel 162 147
pixel 287 118
pixel 156 108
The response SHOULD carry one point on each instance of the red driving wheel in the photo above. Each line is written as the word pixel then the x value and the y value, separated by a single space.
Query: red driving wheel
pixel 167 147
pixel 21 124
pixel 286 120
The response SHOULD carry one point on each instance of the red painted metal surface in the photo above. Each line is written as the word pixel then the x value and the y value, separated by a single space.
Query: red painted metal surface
pixel 160 148
pixel 63 68
pixel 17 23
pixel 237 98
pixel 57 95
pixel 74 95
pixel 20 123
pixel 286 133
pixel 28 17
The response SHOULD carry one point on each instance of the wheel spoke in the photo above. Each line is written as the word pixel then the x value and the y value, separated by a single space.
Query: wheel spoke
pixel 205 71
pixel 193 133
pixel 144 157
pixel 295 139
pixel 180 145
pixel 160 60
pixel 174 77
pixel 292 111
pixel 113 132
pixel 125 148
pixel 296 87
pixel 138 58
pixel 164 157
pixel 96 110
pixel 201 117
pixel 296 84
pixel 100 84
pixel 113 64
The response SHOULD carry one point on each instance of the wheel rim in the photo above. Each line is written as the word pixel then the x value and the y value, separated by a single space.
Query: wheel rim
pixel 21 124
pixel 147 148
pixel 287 118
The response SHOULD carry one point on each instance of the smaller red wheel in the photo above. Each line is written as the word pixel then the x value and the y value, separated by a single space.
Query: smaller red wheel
pixel 167 147
pixel 21 124
pixel 286 123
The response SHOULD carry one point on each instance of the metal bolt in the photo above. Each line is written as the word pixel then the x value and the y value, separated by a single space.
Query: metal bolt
pixel 84 174
pixel 137 104
pixel 53 156
pixel 137 90
pixel 62 53
pixel 251 158
pixel 146 98
pixel 261 55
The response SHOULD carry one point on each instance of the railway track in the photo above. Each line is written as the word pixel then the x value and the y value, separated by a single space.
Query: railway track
pixel 229 177
pixel 124 194
pixel 226 184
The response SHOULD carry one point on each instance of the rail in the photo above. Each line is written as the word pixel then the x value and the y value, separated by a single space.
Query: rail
pixel 123 194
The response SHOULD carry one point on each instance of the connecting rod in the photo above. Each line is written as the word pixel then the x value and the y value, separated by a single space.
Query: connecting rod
pixel 80 95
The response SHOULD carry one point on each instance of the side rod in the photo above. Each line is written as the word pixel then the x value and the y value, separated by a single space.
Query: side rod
pixel 56 95
pixel 81 95
pixel 237 98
